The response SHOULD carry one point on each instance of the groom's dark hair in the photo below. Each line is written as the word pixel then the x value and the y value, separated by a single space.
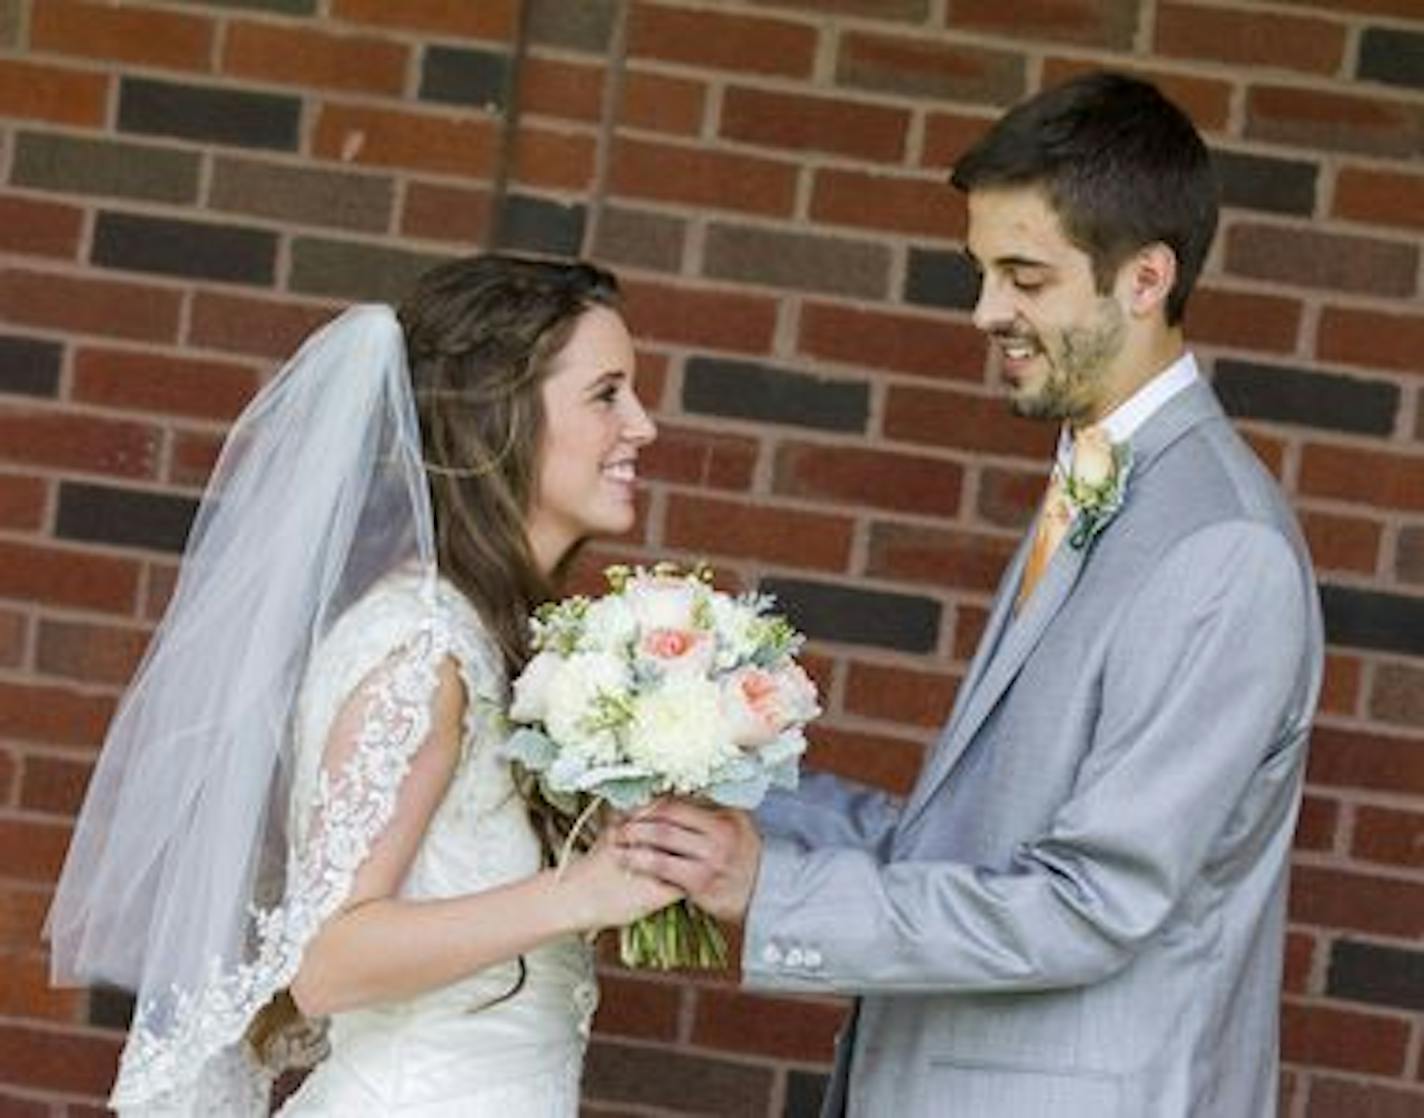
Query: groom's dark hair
pixel 1120 165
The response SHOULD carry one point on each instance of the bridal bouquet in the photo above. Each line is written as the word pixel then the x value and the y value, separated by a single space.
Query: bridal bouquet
pixel 661 686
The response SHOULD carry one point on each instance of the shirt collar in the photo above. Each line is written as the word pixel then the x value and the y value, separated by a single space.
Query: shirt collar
pixel 1123 421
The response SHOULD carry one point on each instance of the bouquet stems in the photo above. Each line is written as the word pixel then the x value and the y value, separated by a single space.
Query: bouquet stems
pixel 681 935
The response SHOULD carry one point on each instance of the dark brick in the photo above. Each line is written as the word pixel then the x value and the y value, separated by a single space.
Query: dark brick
pixel 1371 619
pixel 540 225
pixel 623 1073
pixel 1392 56
pixel 10 22
pixel 30 366
pixel 356 271
pixel 1409 555
pixel 184 248
pixel 750 390
pixel 456 76
pixel 1334 261
pixel 1314 399
pixel 1369 972
pixel 220 116
pixel 127 517
pixel 805 1091
pixel 941 279
pixel 1259 182
pixel 586 26
pixel 110 1007
pixel 797 260
pixel 75 165
pixel 925 68
pixel 301 194
pixel 842 613
pixel 640 238
pixel 1345 1098
pixel 1397 695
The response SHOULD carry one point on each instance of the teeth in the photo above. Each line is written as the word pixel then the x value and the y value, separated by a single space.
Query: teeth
pixel 621 471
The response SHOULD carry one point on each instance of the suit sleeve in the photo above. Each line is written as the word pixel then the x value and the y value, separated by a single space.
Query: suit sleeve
pixel 1206 682
pixel 826 810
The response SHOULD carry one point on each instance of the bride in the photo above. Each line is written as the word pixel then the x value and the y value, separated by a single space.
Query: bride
pixel 301 841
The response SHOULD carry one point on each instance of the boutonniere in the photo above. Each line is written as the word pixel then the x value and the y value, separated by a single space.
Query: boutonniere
pixel 1096 483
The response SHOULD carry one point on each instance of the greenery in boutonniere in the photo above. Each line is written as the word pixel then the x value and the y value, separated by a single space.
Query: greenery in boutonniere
pixel 1096 483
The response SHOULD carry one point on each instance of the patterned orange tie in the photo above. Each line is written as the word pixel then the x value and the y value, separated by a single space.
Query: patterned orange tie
pixel 1054 521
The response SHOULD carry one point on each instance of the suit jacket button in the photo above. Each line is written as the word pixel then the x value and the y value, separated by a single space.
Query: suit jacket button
pixel 771 953
pixel 812 957
pixel 794 957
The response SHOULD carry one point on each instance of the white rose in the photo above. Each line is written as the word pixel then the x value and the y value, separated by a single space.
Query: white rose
pixel 609 625
pixel 1093 463
pixel 570 703
pixel 678 732
pixel 661 603
pixel 531 689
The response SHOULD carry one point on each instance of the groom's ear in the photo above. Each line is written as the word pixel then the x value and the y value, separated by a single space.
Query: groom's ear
pixel 1149 276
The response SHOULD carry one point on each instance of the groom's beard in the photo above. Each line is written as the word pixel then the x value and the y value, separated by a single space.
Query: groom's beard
pixel 1078 360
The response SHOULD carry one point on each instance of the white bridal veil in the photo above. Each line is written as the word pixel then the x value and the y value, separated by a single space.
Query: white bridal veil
pixel 179 884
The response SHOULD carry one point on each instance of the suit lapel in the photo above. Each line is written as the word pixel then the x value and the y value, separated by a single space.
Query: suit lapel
pixel 1008 640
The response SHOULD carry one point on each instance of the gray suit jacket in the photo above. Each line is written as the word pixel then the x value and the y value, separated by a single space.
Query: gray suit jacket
pixel 1078 912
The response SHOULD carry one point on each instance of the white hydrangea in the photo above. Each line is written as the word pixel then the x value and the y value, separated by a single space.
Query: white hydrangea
pixel 572 692
pixel 662 603
pixel 678 732
pixel 736 625
pixel 609 625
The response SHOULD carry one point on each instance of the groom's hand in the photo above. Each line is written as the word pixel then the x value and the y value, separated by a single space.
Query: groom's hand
pixel 711 854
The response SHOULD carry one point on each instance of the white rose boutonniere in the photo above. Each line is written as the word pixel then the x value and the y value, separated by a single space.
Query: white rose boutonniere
pixel 1096 483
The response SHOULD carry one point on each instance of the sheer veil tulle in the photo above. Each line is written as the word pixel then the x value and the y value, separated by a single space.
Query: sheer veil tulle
pixel 179 884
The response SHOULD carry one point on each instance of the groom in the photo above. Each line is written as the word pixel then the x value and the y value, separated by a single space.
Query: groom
pixel 1078 911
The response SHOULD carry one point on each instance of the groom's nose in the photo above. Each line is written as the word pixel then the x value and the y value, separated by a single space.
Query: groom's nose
pixel 992 311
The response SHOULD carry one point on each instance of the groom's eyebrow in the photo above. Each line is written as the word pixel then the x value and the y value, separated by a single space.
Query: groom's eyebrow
pixel 1001 262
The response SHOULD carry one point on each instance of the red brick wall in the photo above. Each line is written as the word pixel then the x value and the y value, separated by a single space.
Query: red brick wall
pixel 189 186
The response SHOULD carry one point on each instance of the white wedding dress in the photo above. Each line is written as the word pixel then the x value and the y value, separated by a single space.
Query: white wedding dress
pixel 460 1050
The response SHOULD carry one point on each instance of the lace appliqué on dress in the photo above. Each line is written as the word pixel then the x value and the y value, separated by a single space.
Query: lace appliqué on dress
pixel 185 1053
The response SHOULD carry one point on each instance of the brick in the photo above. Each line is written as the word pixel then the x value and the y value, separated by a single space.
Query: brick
pixel 52 715
pixel 620 1073
pixel 110 1007
pixel 1330 898
pixel 787 537
pixel 796 260
pixel 1380 197
pixel 924 346
pixel 1299 961
pixel 1325 1037
pixel 78 165
pixel 1398 695
pixel 553 87
pixel 262 327
pixel 1340 691
pixel 1373 620
pixel 805 1093
pixel 897 694
pixel 160 580
pixel 943 557
pixel 634 1007
pixel 1101 23
pixel 1371 478
pixel 10 15
pixel 489 19
pixel 1344 1098
pixel 22 917
pixel 1250 38
pixel 721 41
pixel 880 760
pixel 707 459
pixel 32 227
pixel 1346 757
pixel 464 145
pixel 125 517
pixel 356 271
pixel 929 69
pixel 540 225
pixel 440 212
pixel 54 785
pixel 1365 337
pixel 26 992
pixel 587 26
pixel 751 390
pixel 162 383
pixel 1313 399
pixel 1333 261
pixel 455 76
pixel 946 418
pixel 1271 452
pixel 58 1061
pixel 662 103
pixel 1342 543
pixel 1308 118
pixel 78 442
pixel 1266 183
pixel 30 366
pixel 14 638
pixel 859 476
pixel 888 202
pixel 913 11
pixel 853 615
pixel 698 177
pixel 301 195
pixel 171 40
pixel 209 114
pixel 558 160
pixel 939 278
pixel 788 121
pixel 718 319
pixel 88 652
pixel 192 458
pixel 1206 101
pixel 67 578
pixel 1243 320
pixel 950 135
pixel 196 250
pixel 640 238
pixel 35 91
pixel 734 1021
pixel 1009 498
pixel 312 59
pixel 1409 555
pixel 1316 824
pixel 1389 836
pixel 1392 55
pixel 278 7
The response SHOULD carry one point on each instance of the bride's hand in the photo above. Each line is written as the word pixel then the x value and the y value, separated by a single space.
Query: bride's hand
pixel 607 894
